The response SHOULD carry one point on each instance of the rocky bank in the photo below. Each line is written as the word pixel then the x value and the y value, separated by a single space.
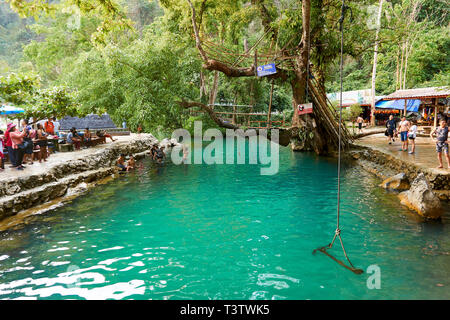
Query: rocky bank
pixel 17 194
pixel 422 188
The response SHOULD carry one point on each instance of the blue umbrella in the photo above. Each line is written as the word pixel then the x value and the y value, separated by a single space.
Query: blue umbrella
pixel 7 110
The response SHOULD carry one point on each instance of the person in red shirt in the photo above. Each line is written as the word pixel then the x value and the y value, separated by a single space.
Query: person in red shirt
pixel 8 145
pixel 17 138
pixel 49 127
pixel 2 156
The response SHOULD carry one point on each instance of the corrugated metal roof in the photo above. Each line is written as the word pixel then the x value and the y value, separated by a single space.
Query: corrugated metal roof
pixel 434 92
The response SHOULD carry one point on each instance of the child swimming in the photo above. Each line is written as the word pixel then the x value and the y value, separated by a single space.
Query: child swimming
pixel 131 163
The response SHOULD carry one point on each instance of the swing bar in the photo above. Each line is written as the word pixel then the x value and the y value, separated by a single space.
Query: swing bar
pixel 351 268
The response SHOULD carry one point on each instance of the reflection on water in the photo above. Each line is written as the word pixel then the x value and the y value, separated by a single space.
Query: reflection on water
pixel 226 232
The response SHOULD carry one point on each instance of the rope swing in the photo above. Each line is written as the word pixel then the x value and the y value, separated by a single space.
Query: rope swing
pixel 337 233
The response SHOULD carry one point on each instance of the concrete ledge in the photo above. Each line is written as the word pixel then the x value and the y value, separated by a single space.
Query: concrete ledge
pixel 384 166
pixel 27 191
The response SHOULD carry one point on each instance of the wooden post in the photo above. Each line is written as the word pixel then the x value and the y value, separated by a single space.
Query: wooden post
pixel 404 112
pixel 435 112
pixel 270 106
pixel 256 62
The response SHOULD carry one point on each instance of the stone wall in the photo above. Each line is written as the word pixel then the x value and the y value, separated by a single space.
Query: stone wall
pixel 384 166
pixel 22 193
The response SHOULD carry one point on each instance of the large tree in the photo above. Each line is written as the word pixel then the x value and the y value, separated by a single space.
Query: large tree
pixel 292 44
pixel 289 32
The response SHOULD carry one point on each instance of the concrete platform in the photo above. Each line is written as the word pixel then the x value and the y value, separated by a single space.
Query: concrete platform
pixel 60 158
pixel 424 157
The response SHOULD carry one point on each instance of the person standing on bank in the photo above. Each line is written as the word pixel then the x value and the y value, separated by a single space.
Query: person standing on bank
pixel 412 134
pixel 359 121
pixel 8 144
pixel 404 128
pixel 17 139
pixel 2 156
pixel 49 127
pixel 441 142
pixel 41 140
pixel 391 126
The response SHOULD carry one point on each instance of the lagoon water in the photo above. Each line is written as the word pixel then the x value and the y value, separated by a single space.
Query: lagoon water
pixel 227 232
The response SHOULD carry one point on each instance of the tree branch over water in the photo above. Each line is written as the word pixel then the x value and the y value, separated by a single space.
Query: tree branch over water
pixel 210 111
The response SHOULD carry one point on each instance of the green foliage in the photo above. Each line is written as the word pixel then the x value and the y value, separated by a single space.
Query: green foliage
pixel 136 59
pixel 18 88
pixel 428 63
pixel 352 112
pixel 24 91
pixel 141 83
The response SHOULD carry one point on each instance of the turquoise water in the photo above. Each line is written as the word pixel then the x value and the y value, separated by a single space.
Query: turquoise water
pixel 226 232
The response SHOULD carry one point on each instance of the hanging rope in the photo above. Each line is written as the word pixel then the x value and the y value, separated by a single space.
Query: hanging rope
pixel 337 233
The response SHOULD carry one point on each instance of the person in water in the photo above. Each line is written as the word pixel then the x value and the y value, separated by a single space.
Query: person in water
pixel 120 163
pixel 131 163
pixel 160 155
pixel 185 153
pixel 404 128
pixel 391 128
pixel 153 152
pixel 441 142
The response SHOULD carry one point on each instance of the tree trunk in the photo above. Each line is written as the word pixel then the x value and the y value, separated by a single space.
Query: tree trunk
pixel 311 135
pixel 215 87
pixel 406 65
pixel 374 70
pixel 302 61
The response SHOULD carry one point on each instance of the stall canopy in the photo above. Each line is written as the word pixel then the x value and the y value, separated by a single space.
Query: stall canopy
pixel 10 110
pixel 411 105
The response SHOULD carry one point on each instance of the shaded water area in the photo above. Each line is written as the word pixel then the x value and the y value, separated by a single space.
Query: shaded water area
pixel 226 232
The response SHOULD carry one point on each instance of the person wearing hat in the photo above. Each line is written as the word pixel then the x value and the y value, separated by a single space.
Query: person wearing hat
pixel 17 138
pixel 8 144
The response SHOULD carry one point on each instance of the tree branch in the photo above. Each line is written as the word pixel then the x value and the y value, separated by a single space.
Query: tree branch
pixel 212 64
pixel 210 111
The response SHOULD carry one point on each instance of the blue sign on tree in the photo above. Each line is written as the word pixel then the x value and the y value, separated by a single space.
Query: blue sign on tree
pixel 266 70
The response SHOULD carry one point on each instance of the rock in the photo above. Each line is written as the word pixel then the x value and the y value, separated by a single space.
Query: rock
pixel 399 182
pixel 174 142
pixel 82 187
pixel 421 198
pixel 165 143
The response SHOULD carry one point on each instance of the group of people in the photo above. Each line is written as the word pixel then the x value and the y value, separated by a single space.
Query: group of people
pixel 24 146
pixel 84 140
pixel 21 145
pixel 125 165
pixel 407 130
pixel 156 153
pixel 408 133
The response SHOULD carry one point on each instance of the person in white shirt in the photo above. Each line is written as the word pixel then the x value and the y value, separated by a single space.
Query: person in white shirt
pixel 412 133
pixel 57 125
